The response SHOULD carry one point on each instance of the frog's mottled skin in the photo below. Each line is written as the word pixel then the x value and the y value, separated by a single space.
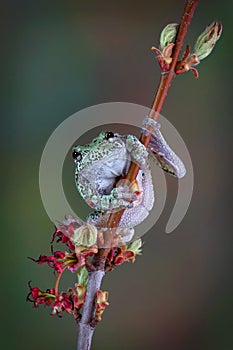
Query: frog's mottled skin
pixel 100 164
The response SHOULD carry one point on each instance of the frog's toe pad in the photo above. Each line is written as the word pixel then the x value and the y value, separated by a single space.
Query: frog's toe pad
pixel 125 195
pixel 125 234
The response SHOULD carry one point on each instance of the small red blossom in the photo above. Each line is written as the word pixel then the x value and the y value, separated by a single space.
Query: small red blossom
pixel 124 255
pixel 111 254
pixel 79 295
pixel 100 304
pixel 74 261
pixel 86 251
pixel 61 237
pixel 164 57
pixel 119 255
pixel 63 302
pixel 55 261
pixel 70 302
pixel 60 260
pixel 39 297
pixel 58 255
pixel 187 63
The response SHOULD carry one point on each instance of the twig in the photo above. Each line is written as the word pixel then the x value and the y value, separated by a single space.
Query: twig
pixel 85 329
pixel 164 85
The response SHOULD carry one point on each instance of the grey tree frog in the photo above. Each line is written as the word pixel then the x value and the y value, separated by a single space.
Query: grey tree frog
pixel 100 164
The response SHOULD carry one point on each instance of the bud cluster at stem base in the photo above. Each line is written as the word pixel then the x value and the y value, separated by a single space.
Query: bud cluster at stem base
pixel 80 242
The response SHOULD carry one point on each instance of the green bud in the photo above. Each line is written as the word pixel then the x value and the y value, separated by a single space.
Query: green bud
pixel 168 34
pixel 85 235
pixel 207 40
pixel 135 246
pixel 82 276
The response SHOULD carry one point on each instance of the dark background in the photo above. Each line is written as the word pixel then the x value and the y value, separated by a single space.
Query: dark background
pixel 61 56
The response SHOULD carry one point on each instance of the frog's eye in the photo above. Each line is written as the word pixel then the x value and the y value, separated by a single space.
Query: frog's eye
pixel 109 135
pixel 77 156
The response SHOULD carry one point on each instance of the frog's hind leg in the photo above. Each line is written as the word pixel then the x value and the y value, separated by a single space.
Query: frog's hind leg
pixel 121 234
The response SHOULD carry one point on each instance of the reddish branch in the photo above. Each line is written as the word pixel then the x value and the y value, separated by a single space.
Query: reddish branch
pixel 85 328
pixel 164 85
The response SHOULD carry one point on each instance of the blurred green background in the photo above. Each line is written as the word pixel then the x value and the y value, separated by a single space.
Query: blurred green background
pixel 61 56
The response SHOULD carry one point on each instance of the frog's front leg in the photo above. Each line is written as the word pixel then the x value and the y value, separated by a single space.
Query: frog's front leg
pixel 137 150
pixel 96 197
pixel 165 157
pixel 119 197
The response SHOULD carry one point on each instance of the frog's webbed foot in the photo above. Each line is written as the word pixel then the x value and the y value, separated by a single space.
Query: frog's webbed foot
pixel 137 150
pixel 161 151
pixel 121 234
pixel 125 194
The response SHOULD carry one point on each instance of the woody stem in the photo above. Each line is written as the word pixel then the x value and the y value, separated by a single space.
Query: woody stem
pixel 86 332
pixel 85 328
pixel 158 102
